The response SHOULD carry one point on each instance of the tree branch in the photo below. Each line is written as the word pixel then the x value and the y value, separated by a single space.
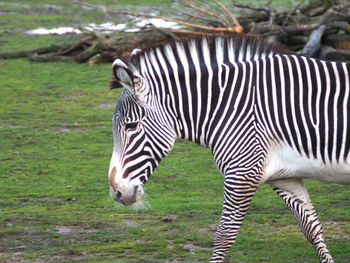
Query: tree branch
pixel 205 12
pixel 208 28
pixel 233 19
pixel 267 10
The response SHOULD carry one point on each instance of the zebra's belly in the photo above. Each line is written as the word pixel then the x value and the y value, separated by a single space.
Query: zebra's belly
pixel 283 162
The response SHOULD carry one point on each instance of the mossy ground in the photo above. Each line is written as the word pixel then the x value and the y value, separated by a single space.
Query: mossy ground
pixel 55 141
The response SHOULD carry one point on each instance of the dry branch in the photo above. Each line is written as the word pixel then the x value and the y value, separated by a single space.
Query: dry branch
pixel 233 19
pixel 314 44
pixel 295 29
pixel 208 13
pixel 180 22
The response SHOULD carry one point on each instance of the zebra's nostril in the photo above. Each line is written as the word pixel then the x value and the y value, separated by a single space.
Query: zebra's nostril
pixel 118 194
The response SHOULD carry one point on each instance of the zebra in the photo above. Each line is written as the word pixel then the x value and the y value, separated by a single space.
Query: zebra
pixel 267 115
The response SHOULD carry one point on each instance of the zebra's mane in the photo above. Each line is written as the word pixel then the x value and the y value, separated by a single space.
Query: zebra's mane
pixel 217 49
pixel 236 48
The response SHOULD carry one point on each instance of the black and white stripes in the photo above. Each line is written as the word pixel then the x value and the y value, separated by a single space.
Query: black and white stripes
pixel 305 103
pixel 267 116
pixel 304 99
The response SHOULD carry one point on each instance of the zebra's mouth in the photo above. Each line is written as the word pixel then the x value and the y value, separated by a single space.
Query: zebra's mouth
pixel 138 192
pixel 129 196
pixel 136 195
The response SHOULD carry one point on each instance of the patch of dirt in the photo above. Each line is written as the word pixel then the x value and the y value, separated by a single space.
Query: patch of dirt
pixel 169 218
pixel 170 244
pixel 49 198
pixel 130 223
pixel 337 229
pixel 67 129
pixel 337 223
pixel 65 230
pixel 192 248
pixel 7 12
pixel 16 258
pixel 281 229
pixel 77 95
pixel 22 241
pixel 5 125
pixel 213 227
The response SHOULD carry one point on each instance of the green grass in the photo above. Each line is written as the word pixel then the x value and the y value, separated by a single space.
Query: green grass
pixel 55 142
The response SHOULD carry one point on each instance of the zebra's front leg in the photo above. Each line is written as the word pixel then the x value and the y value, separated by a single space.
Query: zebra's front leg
pixel 295 195
pixel 237 197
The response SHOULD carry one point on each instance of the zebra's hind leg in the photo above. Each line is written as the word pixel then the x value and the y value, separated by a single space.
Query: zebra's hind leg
pixel 236 202
pixel 295 195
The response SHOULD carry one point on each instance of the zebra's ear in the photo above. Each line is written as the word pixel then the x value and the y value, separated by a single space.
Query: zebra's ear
pixel 123 76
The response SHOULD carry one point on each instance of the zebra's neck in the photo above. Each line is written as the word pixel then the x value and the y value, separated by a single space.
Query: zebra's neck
pixel 203 98
pixel 190 78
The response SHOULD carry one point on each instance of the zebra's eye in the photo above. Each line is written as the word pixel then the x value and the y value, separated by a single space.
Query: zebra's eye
pixel 131 126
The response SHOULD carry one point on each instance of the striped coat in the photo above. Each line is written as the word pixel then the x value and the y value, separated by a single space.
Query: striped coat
pixel 268 117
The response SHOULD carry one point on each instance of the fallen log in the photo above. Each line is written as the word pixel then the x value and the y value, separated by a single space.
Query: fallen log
pixel 31 52
pixel 313 45
pixel 330 53
pixel 338 41
pixel 96 48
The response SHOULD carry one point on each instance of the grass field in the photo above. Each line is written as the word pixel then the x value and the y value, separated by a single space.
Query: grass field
pixel 55 142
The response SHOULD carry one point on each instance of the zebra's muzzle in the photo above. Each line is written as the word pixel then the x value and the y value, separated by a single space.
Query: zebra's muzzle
pixel 131 195
pixel 124 190
pixel 117 195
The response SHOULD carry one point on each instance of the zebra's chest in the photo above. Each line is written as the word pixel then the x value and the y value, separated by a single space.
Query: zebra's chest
pixel 283 162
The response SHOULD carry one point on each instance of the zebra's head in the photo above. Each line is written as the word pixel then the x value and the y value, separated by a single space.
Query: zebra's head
pixel 141 138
